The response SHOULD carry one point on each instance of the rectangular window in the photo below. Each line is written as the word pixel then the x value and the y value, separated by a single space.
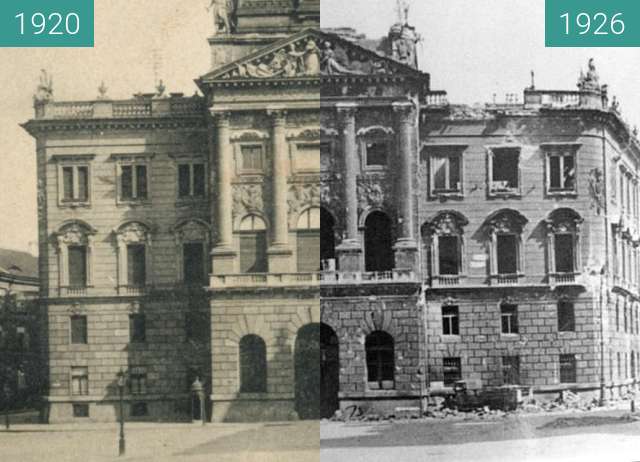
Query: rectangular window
pixel 251 158
pixel 67 177
pixel 80 410
pixel 193 263
pixel 22 339
pixel 566 317
pixel 511 370
pixel 564 253
pixel 133 182
pixel 619 357
pixel 136 265
pixel 446 173
pixel 137 328
pixel 450 320
pixel 505 170
pixel 568 369
pixel 79 380
pixel 139 409
pixel 137 380
pixel 77 265
pixel 191 180
pixel 79 330
pixel 449 255
pixel 562 175
pixel 376 153
pixel 196 327
pixel 75 183
pixel 507 253
pixel 509 317
pixel 452 371
pixel 184 180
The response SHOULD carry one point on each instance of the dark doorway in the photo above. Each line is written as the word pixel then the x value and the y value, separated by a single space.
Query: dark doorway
pixel 329 371
pixel 378 244
pixel 327 240
pixel 307 372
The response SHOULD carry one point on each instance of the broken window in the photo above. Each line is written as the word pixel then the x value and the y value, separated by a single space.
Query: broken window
pixel 450 320
pixel 376 153
pixel 562 175
pixel 568 368
pixel 446 173
pixel 566 317
pixel 379 347
pixel 452 370
pixel 511 370
pixel 505 171
pixel 509 317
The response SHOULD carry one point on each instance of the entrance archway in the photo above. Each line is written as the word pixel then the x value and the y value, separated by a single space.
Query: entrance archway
pixel 307 372
pixel 329 371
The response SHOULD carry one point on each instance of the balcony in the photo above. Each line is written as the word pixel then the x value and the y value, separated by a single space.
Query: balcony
pixel 448 281
pixel 564 279
pixel 376 277
pixel 265 280
pixel 505 279
pixel 436 99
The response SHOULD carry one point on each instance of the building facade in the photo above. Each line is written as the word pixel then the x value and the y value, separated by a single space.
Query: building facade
pixel 179 235
pixel 496 245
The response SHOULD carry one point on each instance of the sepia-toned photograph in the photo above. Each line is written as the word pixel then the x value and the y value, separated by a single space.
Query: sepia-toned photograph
pixel 318 230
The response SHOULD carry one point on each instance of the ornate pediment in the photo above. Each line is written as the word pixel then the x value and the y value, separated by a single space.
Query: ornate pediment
pixel 310 54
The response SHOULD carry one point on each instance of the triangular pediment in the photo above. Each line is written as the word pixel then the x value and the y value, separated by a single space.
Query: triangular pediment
pixel 310 54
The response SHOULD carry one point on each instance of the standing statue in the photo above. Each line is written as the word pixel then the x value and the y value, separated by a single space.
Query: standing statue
pixel 223 11
pixel 44 91
pixel 590 81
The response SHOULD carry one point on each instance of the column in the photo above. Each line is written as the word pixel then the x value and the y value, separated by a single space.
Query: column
pixel 350 250
pixel 405 247
pixel 223 254
pixel 279 252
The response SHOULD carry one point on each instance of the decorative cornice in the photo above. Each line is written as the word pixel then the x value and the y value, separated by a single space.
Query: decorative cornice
pixel 43 126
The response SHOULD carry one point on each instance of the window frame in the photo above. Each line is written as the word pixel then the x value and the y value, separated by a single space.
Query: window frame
pixel 450 321
pixel 434 151
pixel 86 329
pixel 573 360
pixel 261 376
pixel 136 320
pixel 381 382
pixel 75 162
pixel 453 362
pixel 491 153
pixel 138 375
pixel 296 148
pixel 512 317
pixel 74 233
pixel 83 373
pixel 239 157
pixel 560 150
pixel 559 309
pixel 133 160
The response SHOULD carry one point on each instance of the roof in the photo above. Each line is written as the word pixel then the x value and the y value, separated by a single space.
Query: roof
pixel 22 264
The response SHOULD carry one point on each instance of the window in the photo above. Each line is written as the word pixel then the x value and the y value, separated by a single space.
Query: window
pixel 378 242
pixel 509 317
pixel 511 370
pixel 308 241
pixel 196 326
pixel 507 253
pixel 568 368
pixel 75 183
pixel 452 370
pixel 450 320
pixel 449 255
pixel 253 245
pixel 445 231
pixel 566 317
pixel 561 171
pixel 619 357
pixel 80 410
pixel 251 158
pixel 79 381
pixel 253 365
pixel 191 180
pixel 22 338
pixel 139 409
pixel 136 265
pixel 137 380
pixel 79 330
pixel 446 173
pixel 376 153
pixel 133 182
pixel 504 171
pixel 137 328
pixel 77 266
pixel 379 347
pixel 564 253
pixel 193 263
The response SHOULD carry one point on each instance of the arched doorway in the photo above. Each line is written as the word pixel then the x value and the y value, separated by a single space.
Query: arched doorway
pixel 307 372
pixel 378 243
pixel 327 240
pixel 329 371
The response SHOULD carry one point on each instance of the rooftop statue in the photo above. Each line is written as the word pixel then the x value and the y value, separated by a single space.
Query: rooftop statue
pixel 590 81
pixel 44 91
pixel 223 11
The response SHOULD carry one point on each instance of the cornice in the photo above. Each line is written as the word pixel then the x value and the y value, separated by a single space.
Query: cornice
pixel 35 126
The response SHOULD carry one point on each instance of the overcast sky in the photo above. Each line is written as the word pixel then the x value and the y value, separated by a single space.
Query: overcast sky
pixel 472 49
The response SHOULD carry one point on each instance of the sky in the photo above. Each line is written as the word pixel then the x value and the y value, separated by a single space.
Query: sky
pixel 472 49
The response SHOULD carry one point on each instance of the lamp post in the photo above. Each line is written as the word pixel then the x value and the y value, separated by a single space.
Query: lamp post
pixel 198 392
pixel 121 384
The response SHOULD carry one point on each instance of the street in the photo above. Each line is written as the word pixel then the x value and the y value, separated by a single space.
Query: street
pixel 158 442
pixel 595 436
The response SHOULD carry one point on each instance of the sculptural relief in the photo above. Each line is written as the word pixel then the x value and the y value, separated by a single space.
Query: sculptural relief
pixel 247 198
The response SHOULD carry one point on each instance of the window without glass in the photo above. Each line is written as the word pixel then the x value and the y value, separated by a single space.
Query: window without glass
pixel 136 265
pixel 446 173
pixel 376 153
pixel 133 182
pixel 79 330
pixel 251 157
pixel 450 320
pixel 137 328
pixel 452 369
pixel 509 317
pixel 449 255
pixel 193 261
pixel 507 253
pixel 511 370
pixel 564 253
pixel 75 183
pixel 379 347
pixel 191 181
pixel 568 369
pixel 77 265
pixel 562 175
pixel 505 170
pixel 79 380
pixel 253 365
pixel 566 317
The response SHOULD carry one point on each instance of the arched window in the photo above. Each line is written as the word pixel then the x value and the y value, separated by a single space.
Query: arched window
pixel 74 244
pixel 378 243
pixel 446 230
pixel 253 365
pixel 192 251
pixel 327 241
pixel 505 229
pixel 308 240
pixel 563 226
pixel 253 245
pixel 134 256
pixel 380 360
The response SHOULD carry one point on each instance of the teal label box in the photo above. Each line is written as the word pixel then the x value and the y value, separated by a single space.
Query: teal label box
pixel 46 23
pixel 592 23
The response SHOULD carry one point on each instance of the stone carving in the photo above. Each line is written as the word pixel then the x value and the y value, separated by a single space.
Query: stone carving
pixel 310 134
pixel 44 91
pixel 298 59
pixel 590 81
pixel 73 234
pixel 192 231
pixel 223 13
pixel 506 221
pixel 371 194
pixel 447 223
pixel 596 189
pixel 247 198
pixel 132 233
pixel 563 221
pixel 404 41
pixel 302 196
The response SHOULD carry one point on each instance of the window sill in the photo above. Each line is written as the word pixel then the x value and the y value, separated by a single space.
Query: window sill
pixel 133 203
pixel 74 204
pixel 562 192
pixel 513 336
pixel 190 200
pixel 515 193
pixel 444 195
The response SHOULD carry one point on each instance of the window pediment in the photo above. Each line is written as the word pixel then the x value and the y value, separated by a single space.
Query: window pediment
pixel 505 221
pixel 447 223
pixel 134 232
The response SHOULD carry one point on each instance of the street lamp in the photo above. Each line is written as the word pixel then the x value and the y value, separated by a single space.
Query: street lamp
pixel 121 384
pixel 198 392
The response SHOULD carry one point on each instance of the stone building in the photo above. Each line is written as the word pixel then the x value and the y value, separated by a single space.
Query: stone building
pixel 497 245
pixel 179 235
